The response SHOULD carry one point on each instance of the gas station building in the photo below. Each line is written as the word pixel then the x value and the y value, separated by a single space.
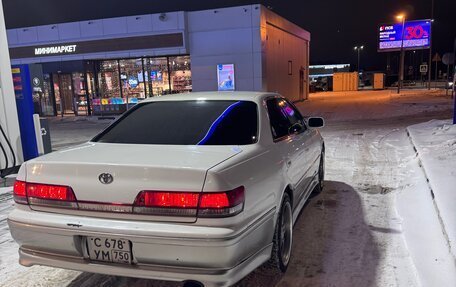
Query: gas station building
pixel 103 66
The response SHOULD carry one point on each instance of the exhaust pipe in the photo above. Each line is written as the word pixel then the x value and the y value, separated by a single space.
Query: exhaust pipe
pixel 192 283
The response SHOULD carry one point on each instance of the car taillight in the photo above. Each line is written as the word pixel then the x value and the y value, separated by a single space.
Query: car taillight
pixel 211 204
pixel 161 203
pixel 19 193
pixel 44 195
pixel 166 203
pixel 221 204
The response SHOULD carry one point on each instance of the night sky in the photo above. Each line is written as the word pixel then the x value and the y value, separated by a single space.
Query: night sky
pixel 336 25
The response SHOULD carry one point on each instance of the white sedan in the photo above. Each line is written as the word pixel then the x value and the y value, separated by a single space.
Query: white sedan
pixel 201 188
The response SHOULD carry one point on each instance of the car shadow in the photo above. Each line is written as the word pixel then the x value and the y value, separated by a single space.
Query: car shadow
pixel 332 246
pixel 91 280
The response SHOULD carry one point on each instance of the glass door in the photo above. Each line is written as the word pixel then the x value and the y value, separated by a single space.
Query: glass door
pixel 180 74
pixel 157 76
pixel 91 90
pixel 132 81
pixel 109 100
pixel 46 100
pixel 58 101
pixel 63 91
pixel 80 96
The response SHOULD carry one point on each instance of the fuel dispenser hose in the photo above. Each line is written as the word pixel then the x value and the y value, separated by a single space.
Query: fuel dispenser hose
pixel 4 153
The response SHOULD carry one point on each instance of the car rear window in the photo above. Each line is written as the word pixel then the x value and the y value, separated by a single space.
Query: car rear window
pixel 186 123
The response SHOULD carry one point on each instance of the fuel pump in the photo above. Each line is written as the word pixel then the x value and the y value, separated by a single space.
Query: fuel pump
pixel 10 140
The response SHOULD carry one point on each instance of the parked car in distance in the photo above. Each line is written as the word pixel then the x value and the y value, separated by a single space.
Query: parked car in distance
pixel 405 83
pixel 319 85
pixel 201 187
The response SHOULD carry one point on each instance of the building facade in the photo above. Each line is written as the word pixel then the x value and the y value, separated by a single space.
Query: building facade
pixel 104 66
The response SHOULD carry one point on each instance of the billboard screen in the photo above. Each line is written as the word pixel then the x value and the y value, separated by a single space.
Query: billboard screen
pixel 225 77
pixel 417 35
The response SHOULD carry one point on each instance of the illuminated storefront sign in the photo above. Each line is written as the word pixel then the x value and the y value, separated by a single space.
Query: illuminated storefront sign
pixel 64 49
pixel 159 41
pixel 417 35
pixel 225 77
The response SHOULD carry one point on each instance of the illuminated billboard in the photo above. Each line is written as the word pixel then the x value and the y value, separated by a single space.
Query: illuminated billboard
pixel 417 35
pixel 225 77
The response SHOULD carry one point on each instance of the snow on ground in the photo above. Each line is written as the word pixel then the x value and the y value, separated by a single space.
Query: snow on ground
pixel 4 190
pixel 375 104
pixel 423 232
pixel 435 142
pixel 373 225
pixel 13 274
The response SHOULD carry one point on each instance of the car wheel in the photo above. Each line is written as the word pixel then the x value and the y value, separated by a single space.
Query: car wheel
pixel 321 174
pixel 283 237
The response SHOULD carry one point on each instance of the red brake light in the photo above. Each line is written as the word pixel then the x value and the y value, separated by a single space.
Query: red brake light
pixel 44 194
pixel 50 192
pixel 51 195
pixel 222 204
pixel 19 192
pixel 211 204
pixel 163 203
pixel 214 200
pixel 166 203
pixel 222 199
pixel 167 199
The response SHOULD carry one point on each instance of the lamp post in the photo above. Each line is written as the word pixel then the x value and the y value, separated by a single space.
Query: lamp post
pixel 401 64
pixel 430 49
pixel 358 49
pixel 454 83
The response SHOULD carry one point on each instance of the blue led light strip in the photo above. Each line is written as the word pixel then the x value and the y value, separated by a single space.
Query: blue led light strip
pixel 214 125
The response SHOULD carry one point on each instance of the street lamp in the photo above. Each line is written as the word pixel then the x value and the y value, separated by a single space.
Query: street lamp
pixel 358 49
pixel 401 64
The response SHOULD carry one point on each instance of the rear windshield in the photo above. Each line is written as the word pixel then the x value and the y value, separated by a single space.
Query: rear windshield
pixel 186 123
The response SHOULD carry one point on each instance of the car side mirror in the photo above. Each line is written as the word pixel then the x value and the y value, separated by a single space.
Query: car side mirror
pixel 295 129
pixel 316 122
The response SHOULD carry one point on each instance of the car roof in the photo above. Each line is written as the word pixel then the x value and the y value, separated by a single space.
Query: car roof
pixel 214 96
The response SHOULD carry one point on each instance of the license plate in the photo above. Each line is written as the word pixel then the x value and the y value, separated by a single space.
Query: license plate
pixel 114 250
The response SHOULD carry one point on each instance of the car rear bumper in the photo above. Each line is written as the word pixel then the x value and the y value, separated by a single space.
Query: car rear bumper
pixel 207 276
pixel 201 254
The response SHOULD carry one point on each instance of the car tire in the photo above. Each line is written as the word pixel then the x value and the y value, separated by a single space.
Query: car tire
pixel 283 237
pixel 321 174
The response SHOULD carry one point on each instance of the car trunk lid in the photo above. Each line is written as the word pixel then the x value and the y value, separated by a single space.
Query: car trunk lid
pixel 133 168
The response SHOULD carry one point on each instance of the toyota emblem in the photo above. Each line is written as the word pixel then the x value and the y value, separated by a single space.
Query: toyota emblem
pixel 105 178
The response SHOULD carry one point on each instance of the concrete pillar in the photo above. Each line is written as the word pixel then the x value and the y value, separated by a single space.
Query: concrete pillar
pixel 8 112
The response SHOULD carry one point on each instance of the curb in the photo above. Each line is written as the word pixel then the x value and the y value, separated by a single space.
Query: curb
pixel 420 162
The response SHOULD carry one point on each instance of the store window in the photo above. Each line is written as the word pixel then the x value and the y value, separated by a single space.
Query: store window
pixel 132 80
pixel 109 99
pixel 58 102
pixel 113 86
pixel 180 74
pixel 91 89
pixel 63 91
pixel 157 76
pixel 80 93
pixel 46 100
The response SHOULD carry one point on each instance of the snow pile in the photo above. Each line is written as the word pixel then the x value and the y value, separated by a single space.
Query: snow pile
pixel 435 142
